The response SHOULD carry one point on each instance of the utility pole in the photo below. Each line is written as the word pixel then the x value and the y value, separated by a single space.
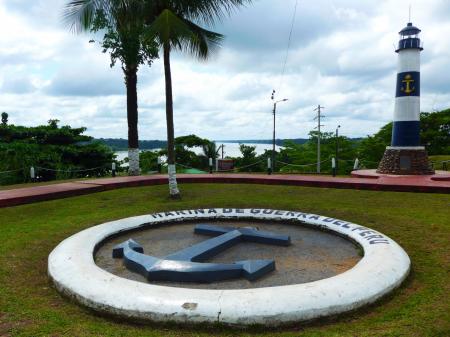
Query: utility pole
pixel 274 111
pixel 220 148
pixel 319 117
pixel 337 149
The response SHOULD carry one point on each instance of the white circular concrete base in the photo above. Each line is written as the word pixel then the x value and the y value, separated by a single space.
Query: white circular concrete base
pixel 72 268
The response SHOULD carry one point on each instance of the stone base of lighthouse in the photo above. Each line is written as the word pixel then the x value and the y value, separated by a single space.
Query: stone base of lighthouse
pixel 405 161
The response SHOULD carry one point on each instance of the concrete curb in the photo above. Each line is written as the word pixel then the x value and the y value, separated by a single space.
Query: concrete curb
pixel 72 268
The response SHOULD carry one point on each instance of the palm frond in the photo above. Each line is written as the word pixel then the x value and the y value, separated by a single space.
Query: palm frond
pixel 204 43
pixel 183 35
pixel 207 12
pixel 79 14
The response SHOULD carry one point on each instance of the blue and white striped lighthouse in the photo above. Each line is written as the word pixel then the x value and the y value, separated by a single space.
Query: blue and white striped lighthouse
pixel 406 126
pixel 405 155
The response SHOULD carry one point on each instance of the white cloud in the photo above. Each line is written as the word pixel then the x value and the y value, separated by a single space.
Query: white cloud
pixel 341 57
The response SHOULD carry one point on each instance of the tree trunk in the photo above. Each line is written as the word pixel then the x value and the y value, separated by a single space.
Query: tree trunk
pixel 132 117
pixel 173 187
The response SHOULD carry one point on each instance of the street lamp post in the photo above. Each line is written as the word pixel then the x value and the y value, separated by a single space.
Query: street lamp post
pixel 337 148
pixel 273 140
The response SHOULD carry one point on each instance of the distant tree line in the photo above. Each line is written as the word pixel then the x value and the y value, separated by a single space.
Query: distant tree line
pixel 120 144
pixel 60 152
pixel 302 157
pixel 278 141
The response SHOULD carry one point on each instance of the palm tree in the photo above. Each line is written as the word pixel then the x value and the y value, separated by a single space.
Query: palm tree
pixel 210 150
pixel 172 26
pixel 122 22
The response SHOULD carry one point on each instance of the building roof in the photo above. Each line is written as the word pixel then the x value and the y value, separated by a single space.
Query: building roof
pixel 409 30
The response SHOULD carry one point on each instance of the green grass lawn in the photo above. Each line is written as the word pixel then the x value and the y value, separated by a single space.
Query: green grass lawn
pixel 440 158
pixel 420 223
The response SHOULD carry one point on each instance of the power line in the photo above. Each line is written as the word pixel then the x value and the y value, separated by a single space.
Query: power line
pixel 288 46
pixel 319 117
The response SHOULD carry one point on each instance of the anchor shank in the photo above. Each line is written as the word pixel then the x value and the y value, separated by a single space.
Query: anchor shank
pixel 248 234
pixel 207 249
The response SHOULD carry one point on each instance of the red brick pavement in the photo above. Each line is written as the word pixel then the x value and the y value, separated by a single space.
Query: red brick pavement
pixel 367 181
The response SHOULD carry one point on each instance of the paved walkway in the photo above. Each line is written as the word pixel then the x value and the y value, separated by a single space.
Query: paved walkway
pixel 365 182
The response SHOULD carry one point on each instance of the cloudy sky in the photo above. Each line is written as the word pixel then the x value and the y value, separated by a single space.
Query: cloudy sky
pixel 342 57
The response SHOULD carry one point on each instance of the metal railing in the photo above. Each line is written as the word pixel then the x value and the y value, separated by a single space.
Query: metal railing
pixel 357 164
pixel 72 171
pixel 11 171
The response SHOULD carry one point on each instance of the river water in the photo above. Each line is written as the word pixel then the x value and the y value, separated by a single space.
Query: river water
pixel 230 150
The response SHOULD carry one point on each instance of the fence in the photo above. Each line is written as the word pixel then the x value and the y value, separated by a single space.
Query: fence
pixel 37 173
pixel 33 173
pixel 440 165
pixel 236 169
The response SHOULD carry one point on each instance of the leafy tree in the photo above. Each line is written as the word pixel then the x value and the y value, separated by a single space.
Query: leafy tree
pixel 173 26
pixel 56 153
pixel 53 123
pixel 149 161
pixel 371 149
pixel 4 119
pixel 435 132
pixel 191 141
pixel 306 154
pixel 434 135
pixel 210 150
pixel 263 158
pixel 50 134
pixel 249 158
pixel 303 157
pixel 185 156
pixel 122 23
pixel 122 144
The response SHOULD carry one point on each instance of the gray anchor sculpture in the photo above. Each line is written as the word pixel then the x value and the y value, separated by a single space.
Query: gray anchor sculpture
pixel 186 265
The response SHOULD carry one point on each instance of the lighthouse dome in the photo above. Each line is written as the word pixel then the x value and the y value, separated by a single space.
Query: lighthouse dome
pixel 409 30
pixel 409 38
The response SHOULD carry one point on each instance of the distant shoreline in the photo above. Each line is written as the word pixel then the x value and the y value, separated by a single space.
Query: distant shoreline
pixel 120 144
pixel 231 150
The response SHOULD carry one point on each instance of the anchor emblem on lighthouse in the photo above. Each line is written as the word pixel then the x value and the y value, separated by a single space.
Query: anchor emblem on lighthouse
pixel 408 82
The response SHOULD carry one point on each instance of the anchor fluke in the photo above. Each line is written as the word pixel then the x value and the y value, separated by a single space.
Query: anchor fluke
pixel 131 244
pixel 254 269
